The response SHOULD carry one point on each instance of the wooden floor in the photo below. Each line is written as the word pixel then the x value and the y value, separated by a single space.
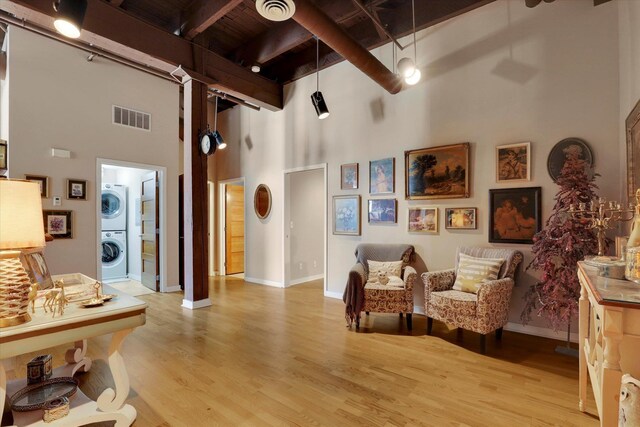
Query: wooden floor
pixel 269 356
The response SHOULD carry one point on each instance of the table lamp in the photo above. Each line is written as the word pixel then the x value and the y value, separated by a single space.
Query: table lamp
pixel 21 227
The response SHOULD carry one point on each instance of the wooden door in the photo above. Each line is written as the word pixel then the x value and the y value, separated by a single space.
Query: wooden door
pixel 234 229
pixel 150 231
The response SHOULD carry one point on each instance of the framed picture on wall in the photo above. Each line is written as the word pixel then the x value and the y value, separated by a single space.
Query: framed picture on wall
pixel 437 172
pixel 76 189
pixel 513 162
pixel 515 214
pixel 383 211
pixel 349 176
pixel 43 181
pixel 633 152
pixel 346 215
pixel 58 224
pixel 423 219
pixel 382 176
pixel 574 148
pixel 36 267
pixel 460 218
pixel 3 156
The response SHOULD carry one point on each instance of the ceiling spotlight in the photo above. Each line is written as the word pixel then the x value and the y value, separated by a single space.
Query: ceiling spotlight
pixel 318 100
pixel 255 68
pixel 406 67
pixel 70 15
pixel 216 135
pixel 414 78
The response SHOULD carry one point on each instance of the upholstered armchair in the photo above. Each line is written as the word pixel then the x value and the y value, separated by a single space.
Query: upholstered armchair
pixel 484 311
pixel 363 295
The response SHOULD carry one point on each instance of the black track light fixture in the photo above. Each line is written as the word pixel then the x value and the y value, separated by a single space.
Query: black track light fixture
pixel 216 135
pixel 318 100
pixel 69 17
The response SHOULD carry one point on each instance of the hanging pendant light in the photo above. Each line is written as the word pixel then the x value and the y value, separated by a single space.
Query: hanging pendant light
pixel 216 135
pixel 406 66
pixel 69 17
pixel 318 100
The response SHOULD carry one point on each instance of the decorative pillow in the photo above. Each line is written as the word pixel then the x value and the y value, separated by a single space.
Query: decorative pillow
pixel 393 268
pixel 474 271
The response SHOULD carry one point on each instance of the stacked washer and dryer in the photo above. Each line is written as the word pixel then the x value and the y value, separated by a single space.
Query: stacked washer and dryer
pixel 114 232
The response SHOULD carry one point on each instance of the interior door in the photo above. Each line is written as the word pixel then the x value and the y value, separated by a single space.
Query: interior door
pixel 150 231
pixel 234 229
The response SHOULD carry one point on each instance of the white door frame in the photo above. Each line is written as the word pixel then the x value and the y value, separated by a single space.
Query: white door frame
pixel 162 176
pixel 222 217
pixel 285 200
pixel 211 226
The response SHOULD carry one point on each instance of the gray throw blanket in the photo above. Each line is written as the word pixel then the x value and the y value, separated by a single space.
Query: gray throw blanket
pixel 353 296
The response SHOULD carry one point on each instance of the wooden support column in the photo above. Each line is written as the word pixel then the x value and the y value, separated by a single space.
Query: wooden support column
pixel 196 256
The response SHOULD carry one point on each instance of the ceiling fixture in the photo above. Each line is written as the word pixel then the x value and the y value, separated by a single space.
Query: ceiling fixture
pixel 317 98
pixel 406 66
pixel 534 3
pixel 216 135
pixel 69 18
pixel 276 10
pixel 255 68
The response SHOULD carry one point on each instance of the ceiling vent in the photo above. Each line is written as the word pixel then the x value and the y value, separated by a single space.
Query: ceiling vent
pixel 131 118
pixel 276 10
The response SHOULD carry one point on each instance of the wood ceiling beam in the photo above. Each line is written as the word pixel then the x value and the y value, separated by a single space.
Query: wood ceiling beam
pixel 116 3
pixel 201 14
pixel 114 24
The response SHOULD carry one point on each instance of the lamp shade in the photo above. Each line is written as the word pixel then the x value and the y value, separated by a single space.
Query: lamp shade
pixel 21 224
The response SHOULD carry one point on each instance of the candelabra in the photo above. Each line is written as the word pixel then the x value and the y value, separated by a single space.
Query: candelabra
pixel 601 216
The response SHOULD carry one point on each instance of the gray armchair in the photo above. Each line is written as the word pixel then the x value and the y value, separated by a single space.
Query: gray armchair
pixel 380 299
pixel 483 312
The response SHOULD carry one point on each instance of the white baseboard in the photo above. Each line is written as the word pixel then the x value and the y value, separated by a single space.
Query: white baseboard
pixel 263 282
pixel 193 305
pixel 135 277
pixel 305 279
pixel 336 295
pixel 175 288
pixel 540 332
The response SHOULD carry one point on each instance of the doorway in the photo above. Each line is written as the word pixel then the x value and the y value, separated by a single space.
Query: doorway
pixel 305 225
pixel 130 226
pixel 231 215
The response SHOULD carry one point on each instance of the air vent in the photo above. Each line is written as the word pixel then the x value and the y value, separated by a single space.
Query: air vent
pixel 131 118
pixel 276 10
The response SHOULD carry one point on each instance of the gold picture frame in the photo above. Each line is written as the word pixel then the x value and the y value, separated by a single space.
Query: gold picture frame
pixel 513 162
pixel 437 172
pixel 633 152
pixel 423 219
pixel 43 181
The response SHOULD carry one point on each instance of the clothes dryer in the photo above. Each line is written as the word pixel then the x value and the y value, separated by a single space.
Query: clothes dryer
pixel 114 207
pixel 114 255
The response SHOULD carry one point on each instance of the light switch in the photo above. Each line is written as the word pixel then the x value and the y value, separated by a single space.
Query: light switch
pixel 57 200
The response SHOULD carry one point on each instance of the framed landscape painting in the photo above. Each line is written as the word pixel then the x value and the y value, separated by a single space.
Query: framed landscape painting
pixel 58 224
pixel 437 172
pixel 423 220
pixel 349 176
pixel 346 215
pixel 513 162
pixel 383 211
pixel 382 176
pixel 515 214
pixel 633 152
pixel 461 218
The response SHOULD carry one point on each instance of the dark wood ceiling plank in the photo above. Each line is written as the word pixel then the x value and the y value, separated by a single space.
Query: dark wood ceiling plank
pixel 115 24
pixel 202 14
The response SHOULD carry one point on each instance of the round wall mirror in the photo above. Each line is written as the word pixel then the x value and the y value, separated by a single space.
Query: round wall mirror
pixel 262 201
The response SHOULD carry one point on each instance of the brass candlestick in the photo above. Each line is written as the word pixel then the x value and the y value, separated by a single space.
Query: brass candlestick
pixel 601 216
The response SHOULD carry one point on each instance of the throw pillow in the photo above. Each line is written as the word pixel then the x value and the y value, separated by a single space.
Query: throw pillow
pixel 393 268
pixel 474 271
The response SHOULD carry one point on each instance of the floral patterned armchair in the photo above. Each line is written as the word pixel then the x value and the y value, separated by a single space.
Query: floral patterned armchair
pixel 380 299
pixel 483 312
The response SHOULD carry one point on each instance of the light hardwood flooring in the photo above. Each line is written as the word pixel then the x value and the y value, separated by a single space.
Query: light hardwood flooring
pixel 269 356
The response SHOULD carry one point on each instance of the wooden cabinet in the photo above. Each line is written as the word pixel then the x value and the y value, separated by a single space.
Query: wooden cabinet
pixel 609 339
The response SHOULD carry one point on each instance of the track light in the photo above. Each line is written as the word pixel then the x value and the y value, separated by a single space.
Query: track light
pixel 216 135
pixel 406 66
pixel 70 15
pixel 413 78
pixel 318 100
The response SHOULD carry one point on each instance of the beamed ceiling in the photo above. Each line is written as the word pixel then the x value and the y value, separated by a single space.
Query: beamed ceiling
pixel 221 39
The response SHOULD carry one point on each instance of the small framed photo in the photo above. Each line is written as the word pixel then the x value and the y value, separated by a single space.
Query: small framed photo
pixel 513 162
pixel 58 224
pixel 36 267
pixel 3 156
pixel 423 220
pixel 383 211
pixel 76 189
pixel 349 176
pixel 382 176
pixel 346 215
pixel 460 218
pixel 515 214
pixel 44 184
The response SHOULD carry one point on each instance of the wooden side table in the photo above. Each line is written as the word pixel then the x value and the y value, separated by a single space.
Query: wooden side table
pixel 118 317
pixel 609 338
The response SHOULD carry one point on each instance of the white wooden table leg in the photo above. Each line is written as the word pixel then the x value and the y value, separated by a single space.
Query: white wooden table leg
pixel 584 324
pixel 78 356
pixel 110 400
pixel 611 374
pixel 3 388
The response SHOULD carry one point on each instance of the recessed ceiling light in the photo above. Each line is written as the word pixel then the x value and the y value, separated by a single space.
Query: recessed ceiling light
pixel 255 68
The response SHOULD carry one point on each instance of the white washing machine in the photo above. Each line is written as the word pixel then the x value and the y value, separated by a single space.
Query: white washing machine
pixel 114 207
pixel 114 255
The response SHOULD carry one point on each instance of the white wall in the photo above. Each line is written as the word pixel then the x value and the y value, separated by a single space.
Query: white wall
pixel 59 99
pixel 500 74
pixel 305 222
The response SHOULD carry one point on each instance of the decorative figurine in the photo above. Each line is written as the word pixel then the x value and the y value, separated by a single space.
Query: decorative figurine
pixel 33 294
pixel 55 299
pixel 629 414
pixel 39 369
